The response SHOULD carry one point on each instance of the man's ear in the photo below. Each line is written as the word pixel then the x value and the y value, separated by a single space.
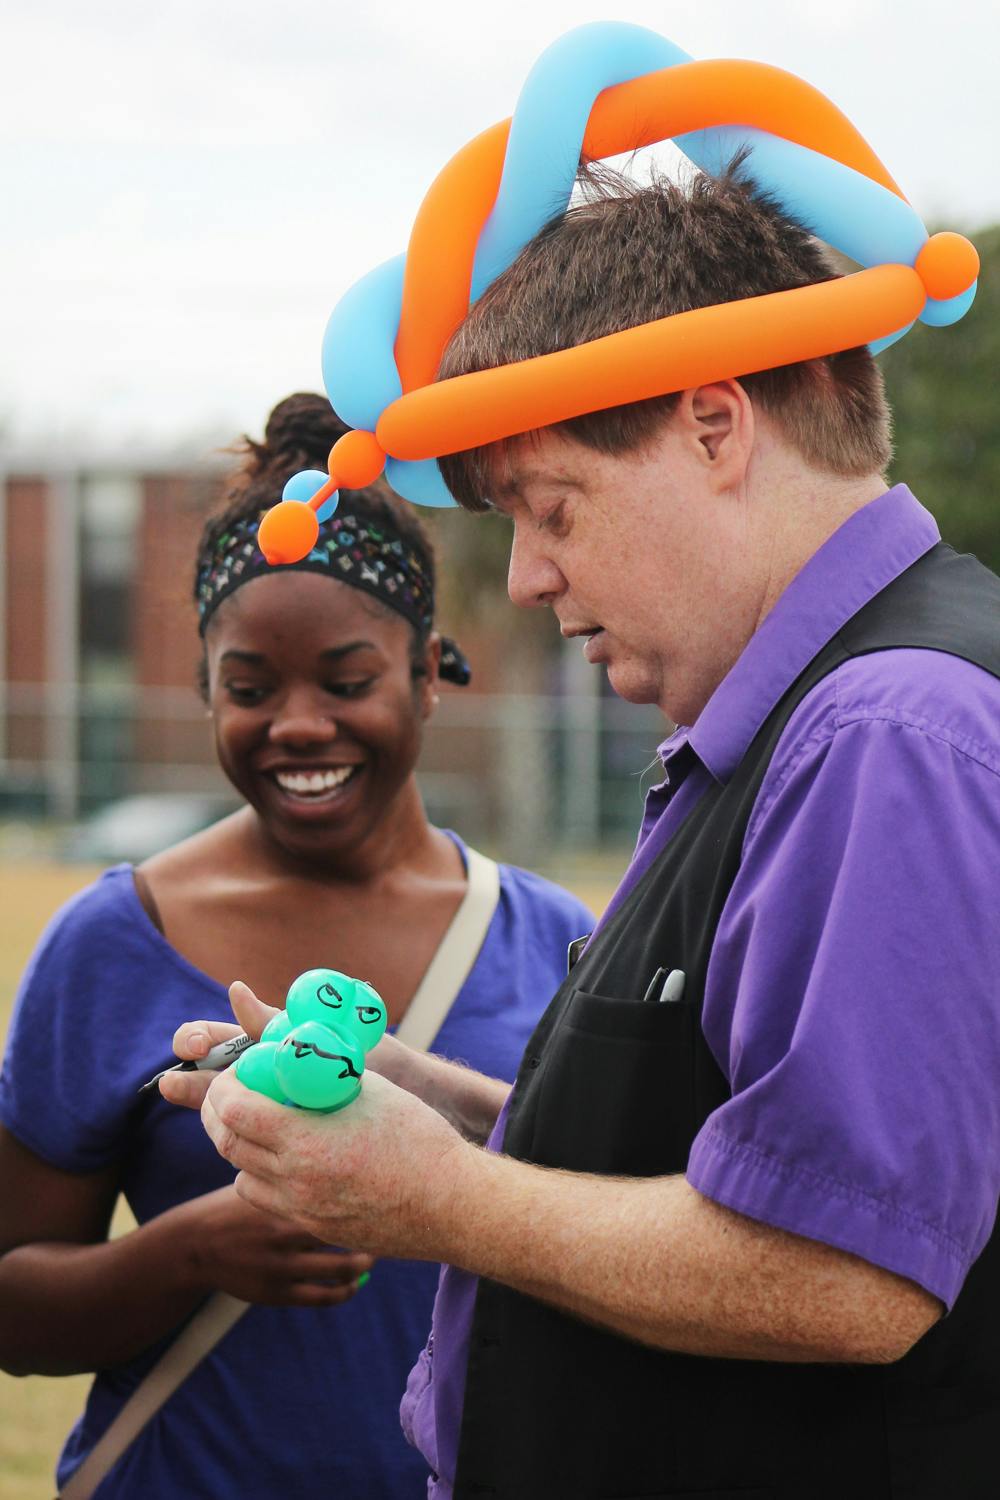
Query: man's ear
pixel 719 421
pixel 429 680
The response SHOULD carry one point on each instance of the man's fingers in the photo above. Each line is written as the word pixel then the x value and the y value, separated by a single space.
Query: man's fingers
pixel 252 1014
pixel 243 1124
pixel 261 1194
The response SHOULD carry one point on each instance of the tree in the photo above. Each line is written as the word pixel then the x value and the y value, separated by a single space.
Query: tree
pixel 944 386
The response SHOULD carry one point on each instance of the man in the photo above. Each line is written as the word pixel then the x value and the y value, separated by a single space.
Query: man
pixel 760 1122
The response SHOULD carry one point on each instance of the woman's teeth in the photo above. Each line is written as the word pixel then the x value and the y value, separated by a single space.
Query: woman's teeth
pixel 313 783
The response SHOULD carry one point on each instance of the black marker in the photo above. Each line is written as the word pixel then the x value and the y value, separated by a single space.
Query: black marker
pixel 220 1056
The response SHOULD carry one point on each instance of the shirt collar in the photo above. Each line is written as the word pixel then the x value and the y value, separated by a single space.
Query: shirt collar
pixel 858 561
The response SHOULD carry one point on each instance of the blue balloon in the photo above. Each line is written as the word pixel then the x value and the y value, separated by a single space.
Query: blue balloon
pixel 889 339
pixel 419 482
pixel 941 313
pixel 846 209
pixel 359 367
pixel 548 127
pixel 303 485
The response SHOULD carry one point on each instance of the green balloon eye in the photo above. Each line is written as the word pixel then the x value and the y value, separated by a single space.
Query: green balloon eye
pixel 319 995
pixel 368 1019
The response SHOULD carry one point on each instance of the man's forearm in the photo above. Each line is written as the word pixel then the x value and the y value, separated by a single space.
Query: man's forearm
pixel 655 1260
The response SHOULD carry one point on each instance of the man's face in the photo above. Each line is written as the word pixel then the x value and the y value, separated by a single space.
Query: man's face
pixel 642 556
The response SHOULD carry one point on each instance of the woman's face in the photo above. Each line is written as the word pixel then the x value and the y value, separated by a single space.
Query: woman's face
pixel 318 719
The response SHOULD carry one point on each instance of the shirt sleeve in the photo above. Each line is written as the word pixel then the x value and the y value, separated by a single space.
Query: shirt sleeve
pixel 852 1001
pixel 61 1090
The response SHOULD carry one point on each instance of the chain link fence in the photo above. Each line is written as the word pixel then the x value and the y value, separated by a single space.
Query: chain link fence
pixel 525 775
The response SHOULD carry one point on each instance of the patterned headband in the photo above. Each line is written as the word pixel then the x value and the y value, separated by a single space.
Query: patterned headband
pixel 353 548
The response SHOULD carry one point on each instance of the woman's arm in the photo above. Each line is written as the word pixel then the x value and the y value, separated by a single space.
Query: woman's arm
pixel 72 1301
pixel 468 1100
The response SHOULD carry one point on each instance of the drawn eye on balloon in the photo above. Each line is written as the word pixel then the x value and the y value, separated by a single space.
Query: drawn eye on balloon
pixel 601 90
pixel 369 1015
pixel 317 992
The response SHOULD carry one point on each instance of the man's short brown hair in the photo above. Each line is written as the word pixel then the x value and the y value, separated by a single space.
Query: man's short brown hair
pixel 626 255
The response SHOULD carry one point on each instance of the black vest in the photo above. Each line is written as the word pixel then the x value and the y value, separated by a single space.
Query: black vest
pixel 558 1410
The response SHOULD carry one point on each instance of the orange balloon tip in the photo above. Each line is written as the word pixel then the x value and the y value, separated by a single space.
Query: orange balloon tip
pixel 288 532
pixel 947 265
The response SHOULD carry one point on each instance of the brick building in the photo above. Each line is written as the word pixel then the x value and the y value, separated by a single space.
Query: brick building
pixel 99 649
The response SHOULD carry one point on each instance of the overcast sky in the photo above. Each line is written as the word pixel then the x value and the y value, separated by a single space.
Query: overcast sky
pixel 187 188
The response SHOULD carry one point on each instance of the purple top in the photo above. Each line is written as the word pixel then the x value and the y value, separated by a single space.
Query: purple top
pixel 97 1007
pixel 851 996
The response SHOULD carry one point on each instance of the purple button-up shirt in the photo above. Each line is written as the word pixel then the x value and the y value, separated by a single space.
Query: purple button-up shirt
pixel 852 997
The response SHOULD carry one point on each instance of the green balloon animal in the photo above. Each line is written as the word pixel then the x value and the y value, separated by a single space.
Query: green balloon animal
pixel 313 1053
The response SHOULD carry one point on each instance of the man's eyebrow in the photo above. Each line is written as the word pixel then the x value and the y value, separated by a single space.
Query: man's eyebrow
pixel 513 487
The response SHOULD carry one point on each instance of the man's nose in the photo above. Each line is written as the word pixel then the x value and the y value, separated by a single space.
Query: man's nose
pixel 532 578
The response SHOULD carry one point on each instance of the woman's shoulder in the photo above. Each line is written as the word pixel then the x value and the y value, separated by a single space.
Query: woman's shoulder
pixel 530 899
pixel 541 900
pixel 104 931
pixel 197 858
pixel 93 915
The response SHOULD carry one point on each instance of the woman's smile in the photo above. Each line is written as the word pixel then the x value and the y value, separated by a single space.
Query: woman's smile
pixel 314 787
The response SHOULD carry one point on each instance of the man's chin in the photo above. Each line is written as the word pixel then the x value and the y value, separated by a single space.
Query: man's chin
pixel 631 683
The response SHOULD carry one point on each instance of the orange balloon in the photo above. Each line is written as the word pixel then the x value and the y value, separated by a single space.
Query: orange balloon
pixel 288 532
pixel 947 265
pixel 437 278
pixel 679 352
pixel 356 460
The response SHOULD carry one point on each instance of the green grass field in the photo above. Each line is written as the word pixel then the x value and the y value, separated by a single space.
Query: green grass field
pixel 36 1413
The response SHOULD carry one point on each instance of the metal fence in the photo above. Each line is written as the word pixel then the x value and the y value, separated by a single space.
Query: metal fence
pixel 523 774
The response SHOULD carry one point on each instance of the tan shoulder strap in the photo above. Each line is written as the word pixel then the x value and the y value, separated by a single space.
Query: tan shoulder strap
pixel 210 1323
pixel 457 952
pixel 447 972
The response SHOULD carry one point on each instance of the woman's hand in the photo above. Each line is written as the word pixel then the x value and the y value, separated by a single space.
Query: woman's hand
pixel 195 1038
pixel 260 1258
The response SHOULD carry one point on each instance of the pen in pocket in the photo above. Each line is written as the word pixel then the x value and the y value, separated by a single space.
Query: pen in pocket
pixel 666 988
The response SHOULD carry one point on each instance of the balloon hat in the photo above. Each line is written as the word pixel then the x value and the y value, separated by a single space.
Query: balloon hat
pixel 600 90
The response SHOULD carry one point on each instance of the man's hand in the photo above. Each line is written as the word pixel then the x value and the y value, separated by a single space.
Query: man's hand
pixel 259 1258
pixel 379 1174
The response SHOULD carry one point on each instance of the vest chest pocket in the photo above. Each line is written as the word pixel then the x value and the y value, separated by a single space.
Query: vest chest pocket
pixel 615 1089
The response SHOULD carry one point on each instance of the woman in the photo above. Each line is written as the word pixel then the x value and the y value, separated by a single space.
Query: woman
pixel 319 681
